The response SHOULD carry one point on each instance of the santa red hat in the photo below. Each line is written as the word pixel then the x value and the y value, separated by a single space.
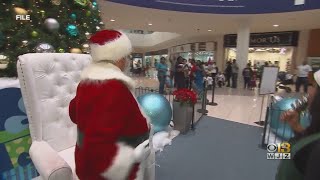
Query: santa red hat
pixel 109 45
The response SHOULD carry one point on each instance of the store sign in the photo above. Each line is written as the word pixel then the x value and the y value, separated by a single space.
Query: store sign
pixel 226 6
pixel 136 55
pixel 154 53
pixel 273 39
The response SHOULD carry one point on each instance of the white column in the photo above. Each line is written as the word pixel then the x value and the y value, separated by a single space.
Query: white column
pixel 243 39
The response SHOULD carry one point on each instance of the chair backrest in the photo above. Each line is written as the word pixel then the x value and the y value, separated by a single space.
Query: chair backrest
pixel 48 83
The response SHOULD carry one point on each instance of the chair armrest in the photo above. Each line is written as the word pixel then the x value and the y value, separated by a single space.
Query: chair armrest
pixel 48 162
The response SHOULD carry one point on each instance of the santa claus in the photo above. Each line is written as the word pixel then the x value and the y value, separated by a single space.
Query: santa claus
pixel 112 132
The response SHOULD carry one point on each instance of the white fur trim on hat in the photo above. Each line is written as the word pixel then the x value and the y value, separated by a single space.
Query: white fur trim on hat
pixel 112 51
pixel 101 71
pixel 317 77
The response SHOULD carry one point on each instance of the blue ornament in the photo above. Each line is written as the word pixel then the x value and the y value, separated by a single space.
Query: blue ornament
pixel 94 3
pixel 283 130
pixel 72 30
pixel 73 16
pixel 158 109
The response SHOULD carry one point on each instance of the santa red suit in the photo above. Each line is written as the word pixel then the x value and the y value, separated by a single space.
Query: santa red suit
pixel 111 127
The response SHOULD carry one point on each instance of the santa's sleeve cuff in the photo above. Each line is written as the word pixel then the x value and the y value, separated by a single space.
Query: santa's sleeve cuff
pixel 122 163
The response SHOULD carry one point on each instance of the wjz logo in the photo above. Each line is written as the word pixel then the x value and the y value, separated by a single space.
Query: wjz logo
pixel 279 151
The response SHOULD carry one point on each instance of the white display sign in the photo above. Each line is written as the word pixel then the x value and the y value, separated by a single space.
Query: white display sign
pixel 269 80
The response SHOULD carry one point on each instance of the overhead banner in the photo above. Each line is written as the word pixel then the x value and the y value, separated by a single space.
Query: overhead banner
pixel 226 6
pixel 272 39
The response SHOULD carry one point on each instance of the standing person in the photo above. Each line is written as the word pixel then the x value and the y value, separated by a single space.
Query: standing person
pixel 199 77
pixel 303 74
pixel 235 72
pixel 213 69
pixel 192 73
pixel 112 142
pixel 228 73
pixel 179 77
pixel 162 69
pixel 247 73
pixel 172 68
pixel 186 70
pixel 221 79
pixel 305 146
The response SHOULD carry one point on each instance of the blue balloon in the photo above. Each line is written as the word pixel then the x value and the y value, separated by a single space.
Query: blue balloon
pixel 158 109
pixel 72 30
pixel 283 130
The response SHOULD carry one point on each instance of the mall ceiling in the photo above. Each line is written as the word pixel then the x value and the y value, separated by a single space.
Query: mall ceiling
pixel 194 24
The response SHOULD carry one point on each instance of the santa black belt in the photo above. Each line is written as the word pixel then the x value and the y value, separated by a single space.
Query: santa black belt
pixel 131 141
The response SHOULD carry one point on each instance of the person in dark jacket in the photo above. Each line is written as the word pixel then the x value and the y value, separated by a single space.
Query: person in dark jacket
pixel 228 73
pixel 179 75
pixel 247 74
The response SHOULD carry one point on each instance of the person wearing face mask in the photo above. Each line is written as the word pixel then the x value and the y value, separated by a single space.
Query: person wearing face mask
pixel 305 146
pixel 113 133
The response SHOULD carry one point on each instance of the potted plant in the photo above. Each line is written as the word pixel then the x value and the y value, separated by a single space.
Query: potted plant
pixel 183 104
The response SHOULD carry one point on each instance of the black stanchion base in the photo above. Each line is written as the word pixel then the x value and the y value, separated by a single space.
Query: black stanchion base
pixel 260 123
pixel 203 111
pixel 212 104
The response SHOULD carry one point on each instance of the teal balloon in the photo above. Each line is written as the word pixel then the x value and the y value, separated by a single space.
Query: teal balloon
pixel 73 16
pixel 158 109
pixel 283 130
pixel 2 39
pixel 72 30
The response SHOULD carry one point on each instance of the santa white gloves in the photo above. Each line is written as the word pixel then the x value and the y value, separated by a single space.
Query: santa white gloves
pixel 142 152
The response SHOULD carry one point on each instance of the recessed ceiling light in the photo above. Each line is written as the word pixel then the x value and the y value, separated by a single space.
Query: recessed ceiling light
pixel 112 20
pixel 209 30
pixel 276 25
pixel 150 24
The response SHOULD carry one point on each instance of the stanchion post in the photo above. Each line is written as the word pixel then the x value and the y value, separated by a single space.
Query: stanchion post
pixel 203 109
pixel 212 103
pixel 192 122
pixel 263 142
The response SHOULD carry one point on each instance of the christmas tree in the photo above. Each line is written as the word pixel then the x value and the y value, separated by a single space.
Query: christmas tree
pixel 41 26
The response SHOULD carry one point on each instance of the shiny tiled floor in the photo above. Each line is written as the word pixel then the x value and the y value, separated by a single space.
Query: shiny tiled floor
pixel 238 105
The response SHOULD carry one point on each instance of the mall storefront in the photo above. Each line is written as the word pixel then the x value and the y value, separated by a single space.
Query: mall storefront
pixel 203 51
pixel 151 58
pixel 277 48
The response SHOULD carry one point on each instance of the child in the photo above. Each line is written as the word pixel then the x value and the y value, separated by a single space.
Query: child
pixel 221 79
pixel 209 80
pixel 253 83
pixel 169 83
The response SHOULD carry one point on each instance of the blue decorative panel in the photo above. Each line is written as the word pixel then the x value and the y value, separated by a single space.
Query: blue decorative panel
pixel 225 6
pixel 15 137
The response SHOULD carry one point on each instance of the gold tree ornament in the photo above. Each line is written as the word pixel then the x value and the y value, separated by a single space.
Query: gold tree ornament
pixel 82 3
pixel 76 50
pixel 20 11
pixel 56 2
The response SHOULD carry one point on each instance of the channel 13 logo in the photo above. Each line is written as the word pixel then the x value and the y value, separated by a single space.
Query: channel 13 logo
pixel 279 151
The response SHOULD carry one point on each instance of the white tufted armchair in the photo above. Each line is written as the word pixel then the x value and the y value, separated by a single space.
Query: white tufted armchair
pixel 48 83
